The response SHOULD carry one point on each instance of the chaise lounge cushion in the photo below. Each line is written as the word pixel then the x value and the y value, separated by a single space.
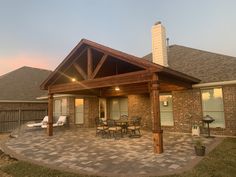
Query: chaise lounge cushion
pixel 114 128
pixel 60 122
pixel 39 124
pixel 133 127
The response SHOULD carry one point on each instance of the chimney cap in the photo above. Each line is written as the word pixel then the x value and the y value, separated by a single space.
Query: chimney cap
pixel 158 23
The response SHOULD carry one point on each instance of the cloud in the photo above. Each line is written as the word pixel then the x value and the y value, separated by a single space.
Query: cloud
pixel 10 63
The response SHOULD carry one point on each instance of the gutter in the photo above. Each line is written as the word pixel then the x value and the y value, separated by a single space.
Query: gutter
pixel 210 84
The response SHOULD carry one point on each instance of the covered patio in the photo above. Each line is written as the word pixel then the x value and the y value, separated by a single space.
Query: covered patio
pixel 94 70
pixel 80 151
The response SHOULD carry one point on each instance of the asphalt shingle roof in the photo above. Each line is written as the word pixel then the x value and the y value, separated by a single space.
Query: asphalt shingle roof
pixel 23 84
pixel 206 66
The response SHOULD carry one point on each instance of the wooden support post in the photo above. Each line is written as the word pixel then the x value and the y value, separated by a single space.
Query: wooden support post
pixel 50 115
pixel 155 113
pixel 158 142
pixel 90 63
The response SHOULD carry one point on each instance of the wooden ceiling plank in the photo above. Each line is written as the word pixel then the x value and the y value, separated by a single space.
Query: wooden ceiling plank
pixel 138 62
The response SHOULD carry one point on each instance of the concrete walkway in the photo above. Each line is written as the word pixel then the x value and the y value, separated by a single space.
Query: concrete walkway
pixel 79 150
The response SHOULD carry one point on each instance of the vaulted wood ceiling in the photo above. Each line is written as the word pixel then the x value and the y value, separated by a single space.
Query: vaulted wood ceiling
pixel 99 68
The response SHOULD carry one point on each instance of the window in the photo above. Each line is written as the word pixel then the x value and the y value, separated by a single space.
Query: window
pixel 79 111
pixel 166 110
pixel 102 108
pixel 212 105
pixel 118 107
pixel 60 107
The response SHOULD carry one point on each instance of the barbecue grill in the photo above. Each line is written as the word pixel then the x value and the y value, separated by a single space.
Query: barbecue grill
pixel 208 119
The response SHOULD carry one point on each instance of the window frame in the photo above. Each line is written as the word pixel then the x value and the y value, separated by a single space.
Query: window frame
pixel 172 111
pixel 82 112
pixel 103 102
pixel 119 102
pixel 214 111
pixel 56 114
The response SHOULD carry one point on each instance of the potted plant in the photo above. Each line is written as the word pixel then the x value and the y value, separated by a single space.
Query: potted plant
pixel 199 148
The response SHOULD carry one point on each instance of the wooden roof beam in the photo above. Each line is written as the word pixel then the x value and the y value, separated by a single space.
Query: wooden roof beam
pixel 80 71
pixel 122 79
pixel 58 73
pixel 90 63
pixel 99 65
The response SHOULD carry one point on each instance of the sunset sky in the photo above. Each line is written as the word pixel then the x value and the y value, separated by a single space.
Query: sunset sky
pixel 40 33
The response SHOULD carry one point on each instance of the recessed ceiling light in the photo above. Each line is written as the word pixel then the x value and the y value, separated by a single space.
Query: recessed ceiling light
pixel 117 88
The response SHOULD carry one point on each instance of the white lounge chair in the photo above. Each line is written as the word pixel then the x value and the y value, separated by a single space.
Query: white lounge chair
pixel 39 124
pixel 60 122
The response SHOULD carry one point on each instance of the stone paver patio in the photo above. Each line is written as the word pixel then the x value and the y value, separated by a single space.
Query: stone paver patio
pixel 79 150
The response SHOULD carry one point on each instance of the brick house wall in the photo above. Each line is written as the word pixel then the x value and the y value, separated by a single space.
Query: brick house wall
pixel 140 105
pixel 91 110
pixel 184 103
pixel 71 110
pixel 187 110
pixel 229 94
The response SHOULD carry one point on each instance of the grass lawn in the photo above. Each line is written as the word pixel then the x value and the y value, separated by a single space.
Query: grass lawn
pixel 221 162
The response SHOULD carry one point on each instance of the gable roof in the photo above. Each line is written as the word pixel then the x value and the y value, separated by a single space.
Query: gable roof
pixel 22 84
pixel 207 66
pixel 84 43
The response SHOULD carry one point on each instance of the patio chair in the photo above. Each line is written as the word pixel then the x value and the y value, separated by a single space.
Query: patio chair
pixel 112 127
pixel 60 122
pixel 124 123
pixel 39 124
pixel 101 127
pixel 134 127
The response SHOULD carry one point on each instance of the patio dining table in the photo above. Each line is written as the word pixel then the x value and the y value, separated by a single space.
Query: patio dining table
pixel 123 123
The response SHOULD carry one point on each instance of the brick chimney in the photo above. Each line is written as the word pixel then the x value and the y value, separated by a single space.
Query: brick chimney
pixel 159 48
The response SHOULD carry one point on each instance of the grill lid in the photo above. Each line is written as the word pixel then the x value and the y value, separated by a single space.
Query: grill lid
pixel 208 118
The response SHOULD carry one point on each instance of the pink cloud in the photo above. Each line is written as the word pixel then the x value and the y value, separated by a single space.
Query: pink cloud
pixel 11 63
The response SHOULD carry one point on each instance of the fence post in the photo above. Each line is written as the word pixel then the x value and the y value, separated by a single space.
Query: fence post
pixel 19 117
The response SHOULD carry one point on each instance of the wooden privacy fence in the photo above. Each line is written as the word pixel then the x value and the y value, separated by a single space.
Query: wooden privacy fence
pixel 11 119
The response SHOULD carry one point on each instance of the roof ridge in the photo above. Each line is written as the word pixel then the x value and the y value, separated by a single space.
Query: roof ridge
pixel 35 68
pixel 22 83
pixel 6 74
